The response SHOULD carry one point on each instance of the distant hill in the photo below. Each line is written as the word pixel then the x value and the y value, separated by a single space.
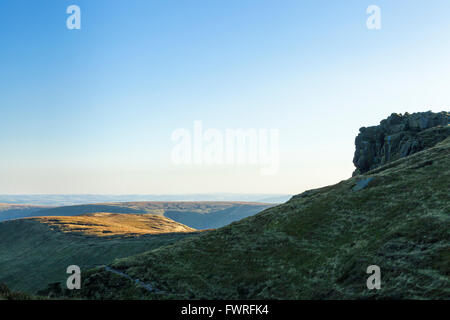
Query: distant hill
pixel 318 245
pixel 219 217
pixel 59 200
pixel 15 211
pixel 275 199
pixel 198 215
pixel 36 251
pixel 85 209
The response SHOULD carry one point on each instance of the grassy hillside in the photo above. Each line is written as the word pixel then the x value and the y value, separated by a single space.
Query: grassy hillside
pixel 198 215
pixel 35 252
pixel 318 245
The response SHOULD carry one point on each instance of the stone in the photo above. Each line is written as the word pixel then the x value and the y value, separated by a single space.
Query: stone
pixel 397 137
pixel 361 184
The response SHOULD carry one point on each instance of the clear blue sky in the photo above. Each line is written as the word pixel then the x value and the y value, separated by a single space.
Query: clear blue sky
pixel 92 110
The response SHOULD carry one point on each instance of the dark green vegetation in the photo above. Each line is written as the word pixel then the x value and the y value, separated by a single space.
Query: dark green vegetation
pixel 318 245
pixel 197 215
pixel 34 254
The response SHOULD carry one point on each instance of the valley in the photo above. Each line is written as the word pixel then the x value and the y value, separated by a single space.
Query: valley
pixel 37 243
pixel 35 252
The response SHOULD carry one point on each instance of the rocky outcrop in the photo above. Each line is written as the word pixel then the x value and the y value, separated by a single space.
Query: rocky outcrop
pixel 397 137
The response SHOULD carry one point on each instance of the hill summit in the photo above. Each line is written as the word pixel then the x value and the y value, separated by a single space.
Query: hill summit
pixel 115 224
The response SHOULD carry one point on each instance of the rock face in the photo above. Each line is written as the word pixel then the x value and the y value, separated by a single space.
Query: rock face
pixel 397 137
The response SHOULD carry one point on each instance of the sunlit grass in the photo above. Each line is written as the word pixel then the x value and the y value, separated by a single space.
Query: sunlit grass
pixel 111 224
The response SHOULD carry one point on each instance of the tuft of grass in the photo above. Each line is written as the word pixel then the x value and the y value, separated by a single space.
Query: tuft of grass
pixel 7 294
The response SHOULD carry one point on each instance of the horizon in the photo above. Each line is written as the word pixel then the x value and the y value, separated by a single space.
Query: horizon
pixel 115 107
pixel 82 199
pixel 137 194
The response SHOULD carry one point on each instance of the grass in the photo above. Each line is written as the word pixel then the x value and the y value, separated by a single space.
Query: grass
pixel 318 245
pixel 7 294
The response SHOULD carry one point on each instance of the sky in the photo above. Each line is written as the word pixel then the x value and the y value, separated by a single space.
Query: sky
pixel 94 110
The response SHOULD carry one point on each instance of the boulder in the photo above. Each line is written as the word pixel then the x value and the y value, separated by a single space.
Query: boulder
pixel 397 137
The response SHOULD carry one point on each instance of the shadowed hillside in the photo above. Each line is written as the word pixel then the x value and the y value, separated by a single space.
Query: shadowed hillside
pixel 85 209
pixel 318 245
pixel 217 218
pixel 17 211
